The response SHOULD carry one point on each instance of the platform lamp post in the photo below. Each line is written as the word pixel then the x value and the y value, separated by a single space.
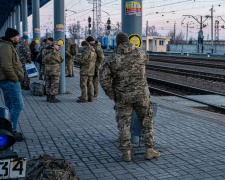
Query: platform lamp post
pixel 59 36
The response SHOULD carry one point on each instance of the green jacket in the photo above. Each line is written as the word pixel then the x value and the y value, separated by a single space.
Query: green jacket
pixel 10 65
pixel 100 55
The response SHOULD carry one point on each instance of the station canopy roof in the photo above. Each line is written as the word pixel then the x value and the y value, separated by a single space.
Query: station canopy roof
pixel 7 6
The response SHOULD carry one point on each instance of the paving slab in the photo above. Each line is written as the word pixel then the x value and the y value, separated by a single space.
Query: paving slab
pixel 191 141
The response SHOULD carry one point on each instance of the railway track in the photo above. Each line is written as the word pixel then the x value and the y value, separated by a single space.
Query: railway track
pixel 175 89
pixel 202 62
pixel 187 72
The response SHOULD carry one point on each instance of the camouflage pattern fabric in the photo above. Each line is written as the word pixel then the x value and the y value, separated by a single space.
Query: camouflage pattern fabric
pixel 49 168
pixel 98 63
pixel 52 59
pixel 69 58
pixel 37 89
pixel 52 85
pixel 24 54
pixel 87 62
pixel 46 50
pixel 86 86
pixel 123 78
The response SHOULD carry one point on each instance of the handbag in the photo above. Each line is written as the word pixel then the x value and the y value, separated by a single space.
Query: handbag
pixel 31 70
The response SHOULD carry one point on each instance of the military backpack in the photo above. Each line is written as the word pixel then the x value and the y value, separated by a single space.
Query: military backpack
pixel 74 49
pixel 47 167
pixel 37 89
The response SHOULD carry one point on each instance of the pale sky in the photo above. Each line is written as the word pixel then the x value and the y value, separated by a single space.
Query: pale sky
pixel 161 13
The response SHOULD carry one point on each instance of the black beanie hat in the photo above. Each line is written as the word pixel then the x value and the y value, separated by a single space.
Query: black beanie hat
pixel 10 32
pixel 89 39
pixel 50 39
pixel 84 43
pixel 122 37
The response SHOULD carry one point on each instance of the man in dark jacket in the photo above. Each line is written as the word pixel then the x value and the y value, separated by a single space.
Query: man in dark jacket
pixel 11 74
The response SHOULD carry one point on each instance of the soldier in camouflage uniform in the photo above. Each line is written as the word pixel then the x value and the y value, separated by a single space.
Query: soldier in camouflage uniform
pixel 24 53
pixel 41 50
pixel 52 59
pixel 99 61
pixel 69 59
pixel 123 78
pixel 45 50
pixel 87 69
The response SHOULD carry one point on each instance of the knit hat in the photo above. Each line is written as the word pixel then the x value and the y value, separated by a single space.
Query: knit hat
pixel 89 38
pixel 122 37
pixel 10 32
pixel 50 39
pixel 84 43
pixel 25 36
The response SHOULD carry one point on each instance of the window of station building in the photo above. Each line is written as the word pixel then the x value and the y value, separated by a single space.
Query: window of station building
pixel 161 43
pixel 155 42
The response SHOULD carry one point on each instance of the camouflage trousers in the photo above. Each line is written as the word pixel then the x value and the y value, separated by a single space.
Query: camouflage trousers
pixel 86 86
pixel 70 66
pixel 52 85
pixel 95 83
pixel 26 81
pixel 144 113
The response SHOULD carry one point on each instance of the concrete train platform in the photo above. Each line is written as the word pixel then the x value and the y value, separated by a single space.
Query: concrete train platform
pixel 191 141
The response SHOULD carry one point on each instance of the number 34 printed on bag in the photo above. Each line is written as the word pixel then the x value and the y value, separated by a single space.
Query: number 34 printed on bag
pixel 10 168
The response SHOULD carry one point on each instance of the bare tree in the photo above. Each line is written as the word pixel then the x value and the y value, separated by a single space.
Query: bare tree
pixel 151 31
pixel 178 39
pixel 74 30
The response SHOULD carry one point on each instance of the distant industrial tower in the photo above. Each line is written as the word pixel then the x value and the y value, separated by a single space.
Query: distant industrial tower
pixel 99 17
pixel 217 30
pixel 96 19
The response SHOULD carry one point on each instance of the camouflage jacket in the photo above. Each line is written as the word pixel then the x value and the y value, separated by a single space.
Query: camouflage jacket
pixel 52 59
pixel 67 49
pixel 123 76
pixel 87 62
pixel 46 49
pixel 23 51
pixel 100 54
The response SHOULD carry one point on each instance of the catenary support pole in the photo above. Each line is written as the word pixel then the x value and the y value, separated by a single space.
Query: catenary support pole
pixel 212 27
pixel 10 20
pixel 132 25
pixel 36 22
pixel 13 19
pixel 24 17
pixel 36 26
pixel 59 35
pixel 132 21
pixel 18 18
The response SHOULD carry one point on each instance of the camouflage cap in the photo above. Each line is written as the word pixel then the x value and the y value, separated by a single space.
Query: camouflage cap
pixel 56 43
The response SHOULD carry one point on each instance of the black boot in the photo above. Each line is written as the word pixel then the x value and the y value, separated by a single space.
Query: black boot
pixel 48 98
pixel 53 99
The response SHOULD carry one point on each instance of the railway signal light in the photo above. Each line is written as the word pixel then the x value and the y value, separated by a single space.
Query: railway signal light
pixel 6 138
pixel 108 22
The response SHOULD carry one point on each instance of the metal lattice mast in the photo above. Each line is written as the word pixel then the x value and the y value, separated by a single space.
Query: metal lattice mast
pixel 94 18
pixel 99 17
pixel 217 30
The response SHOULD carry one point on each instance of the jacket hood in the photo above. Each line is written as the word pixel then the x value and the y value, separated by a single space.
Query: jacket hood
pixel 98 43
pixel 124 48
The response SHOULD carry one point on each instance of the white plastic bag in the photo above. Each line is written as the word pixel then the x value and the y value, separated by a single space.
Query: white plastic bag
pixel 31 70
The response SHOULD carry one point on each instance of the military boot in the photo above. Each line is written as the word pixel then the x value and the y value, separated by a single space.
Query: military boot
pixel 54 100
pixel 151 153
pixel 127 156
pixel 48 98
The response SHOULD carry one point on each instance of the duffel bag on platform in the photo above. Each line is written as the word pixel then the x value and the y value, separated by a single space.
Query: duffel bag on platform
pixel 49 168
pixel 37 88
